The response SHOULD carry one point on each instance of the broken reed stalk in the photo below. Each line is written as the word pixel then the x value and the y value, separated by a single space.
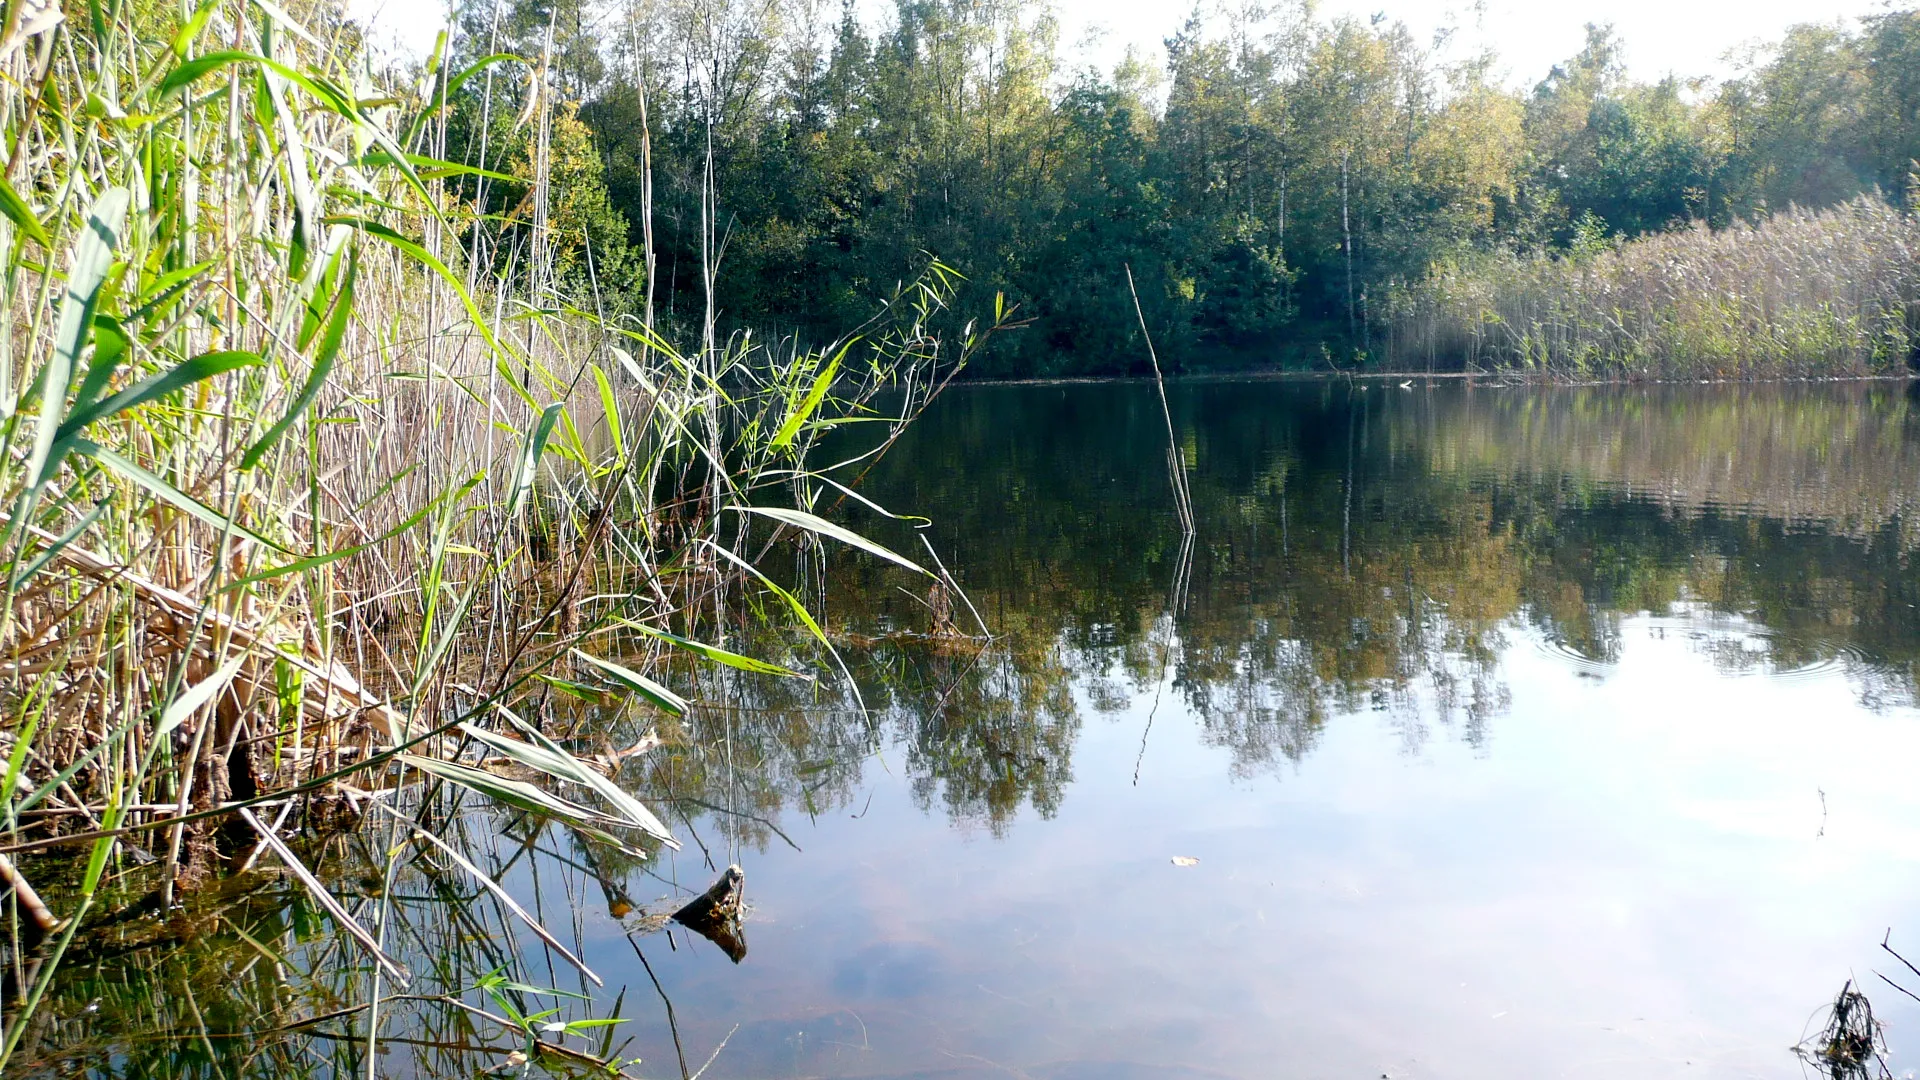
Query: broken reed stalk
pixel 1176 467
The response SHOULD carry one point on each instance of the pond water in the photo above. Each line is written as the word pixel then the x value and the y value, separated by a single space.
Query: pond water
pixel 1480 732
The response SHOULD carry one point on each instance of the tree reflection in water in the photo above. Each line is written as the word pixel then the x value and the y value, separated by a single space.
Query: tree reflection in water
pixel 1360 549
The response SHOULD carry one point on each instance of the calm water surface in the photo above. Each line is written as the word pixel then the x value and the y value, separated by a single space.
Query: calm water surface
pixel 1516 733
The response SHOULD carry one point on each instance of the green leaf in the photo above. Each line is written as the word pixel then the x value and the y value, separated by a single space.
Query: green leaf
pixel 330 95
pixel 183 40
pixel 182 375
pixel 715 653
pixel 800 519
pixel 452 86
pixel 527 468
pixel 87 268
pixel 184 74
pixel 591 694
pixel 17 211
pixel 638 683
pixel 793 602
pixel 821 384
pixel 432 168
pixel 110 344
pixel 419 252
pixel 169 494
pixel 322 366
pixel 611 407
pixel 166 288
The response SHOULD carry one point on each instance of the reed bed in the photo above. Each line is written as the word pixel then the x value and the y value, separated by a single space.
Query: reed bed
pixel 318 491
pixel 1801 294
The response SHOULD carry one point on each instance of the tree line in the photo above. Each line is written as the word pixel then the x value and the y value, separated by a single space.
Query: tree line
pixel 1269 181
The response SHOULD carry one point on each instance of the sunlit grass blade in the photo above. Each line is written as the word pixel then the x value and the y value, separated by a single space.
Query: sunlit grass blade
pixel 800 519
pixel 638 683
pixel 178 377
pixel 546 756
pixel 170 494
pixel 196 696
pixel 715 653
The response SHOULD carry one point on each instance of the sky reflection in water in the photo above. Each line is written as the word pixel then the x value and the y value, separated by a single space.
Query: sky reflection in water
pixel 1541 733
pixel 1517 733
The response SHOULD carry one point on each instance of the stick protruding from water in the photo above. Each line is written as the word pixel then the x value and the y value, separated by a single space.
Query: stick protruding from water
pixel 1176 468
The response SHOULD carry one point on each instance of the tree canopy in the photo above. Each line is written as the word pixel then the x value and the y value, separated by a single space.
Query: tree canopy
pixel 1266 183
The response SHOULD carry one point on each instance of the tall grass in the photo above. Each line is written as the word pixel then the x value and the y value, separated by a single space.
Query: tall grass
pixel 304 501
pixel 1828 293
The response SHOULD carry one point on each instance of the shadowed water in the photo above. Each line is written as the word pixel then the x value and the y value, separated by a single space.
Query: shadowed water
pixel 1516 732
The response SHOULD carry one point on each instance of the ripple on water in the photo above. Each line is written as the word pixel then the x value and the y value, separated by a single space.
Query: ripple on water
pixel 1736 647
pixel 1564 652
pixel 1739 647
pixel 1832 659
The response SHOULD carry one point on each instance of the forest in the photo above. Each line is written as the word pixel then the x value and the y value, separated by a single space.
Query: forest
pixel 1284 189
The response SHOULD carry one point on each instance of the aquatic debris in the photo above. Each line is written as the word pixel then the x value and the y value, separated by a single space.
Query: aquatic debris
pixel 1851 1045
pixel 715 914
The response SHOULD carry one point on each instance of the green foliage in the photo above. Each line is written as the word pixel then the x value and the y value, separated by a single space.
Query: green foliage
pixel 1271 183
pixel 282 370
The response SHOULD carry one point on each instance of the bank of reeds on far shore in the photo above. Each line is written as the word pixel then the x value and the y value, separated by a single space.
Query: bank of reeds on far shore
pixel 1834 292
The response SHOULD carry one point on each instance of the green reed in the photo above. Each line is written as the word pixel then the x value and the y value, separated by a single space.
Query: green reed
pixel 304 504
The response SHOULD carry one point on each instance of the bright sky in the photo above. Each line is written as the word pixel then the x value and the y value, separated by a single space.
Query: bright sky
pixel 1685 37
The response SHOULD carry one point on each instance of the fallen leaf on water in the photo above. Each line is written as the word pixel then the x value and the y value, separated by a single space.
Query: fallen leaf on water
pixel 1185 860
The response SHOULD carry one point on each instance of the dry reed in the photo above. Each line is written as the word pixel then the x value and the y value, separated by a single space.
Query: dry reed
pixel 1804 293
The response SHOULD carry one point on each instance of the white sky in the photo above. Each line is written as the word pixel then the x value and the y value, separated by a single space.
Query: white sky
pixel 1684 37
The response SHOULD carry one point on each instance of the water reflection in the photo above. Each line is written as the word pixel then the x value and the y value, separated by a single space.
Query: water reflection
pixel 1443 575
pixel 1357 543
